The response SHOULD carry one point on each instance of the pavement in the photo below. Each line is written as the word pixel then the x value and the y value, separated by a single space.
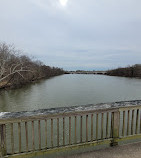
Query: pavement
pixel 124 151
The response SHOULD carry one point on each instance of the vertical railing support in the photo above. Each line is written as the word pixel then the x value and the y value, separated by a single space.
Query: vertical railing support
pixel 115 127
pixel 3 140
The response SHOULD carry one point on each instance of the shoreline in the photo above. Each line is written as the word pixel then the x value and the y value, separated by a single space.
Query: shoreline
pixel 10 86
pixel 5 86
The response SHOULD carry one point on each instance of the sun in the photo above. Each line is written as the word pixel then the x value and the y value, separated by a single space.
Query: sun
pixel 63 2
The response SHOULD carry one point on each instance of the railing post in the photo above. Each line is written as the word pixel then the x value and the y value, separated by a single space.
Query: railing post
pixel 115 127
pixel 3 140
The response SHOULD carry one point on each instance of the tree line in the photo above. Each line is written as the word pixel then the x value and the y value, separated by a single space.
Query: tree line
pixel 17 69
pixel 130 71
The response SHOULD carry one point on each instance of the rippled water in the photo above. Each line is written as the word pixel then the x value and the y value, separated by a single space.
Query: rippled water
pixel 65 90
pixel 69 90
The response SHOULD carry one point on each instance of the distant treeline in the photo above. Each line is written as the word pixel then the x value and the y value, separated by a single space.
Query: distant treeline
pixel 130 71
pixel 17 69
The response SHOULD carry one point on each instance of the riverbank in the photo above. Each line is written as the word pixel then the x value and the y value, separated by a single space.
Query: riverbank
pixel 17 69
pixel 5 85
pixel 130 71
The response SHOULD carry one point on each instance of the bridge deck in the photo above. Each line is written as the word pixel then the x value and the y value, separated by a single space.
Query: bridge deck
pixel 124 151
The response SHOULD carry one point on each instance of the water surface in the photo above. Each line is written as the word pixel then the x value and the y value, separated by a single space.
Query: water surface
pixel 69 90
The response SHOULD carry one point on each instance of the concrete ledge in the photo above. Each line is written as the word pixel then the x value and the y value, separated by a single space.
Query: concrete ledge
pixel 65 110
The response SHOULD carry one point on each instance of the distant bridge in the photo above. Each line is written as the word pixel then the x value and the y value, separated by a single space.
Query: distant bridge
pixel 88 72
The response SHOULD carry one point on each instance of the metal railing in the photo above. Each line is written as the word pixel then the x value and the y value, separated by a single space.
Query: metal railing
pixel 45 130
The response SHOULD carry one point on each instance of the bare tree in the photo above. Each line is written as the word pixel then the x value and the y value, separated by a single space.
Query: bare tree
pixel 10 64
pixel 17 69
pixel 130 71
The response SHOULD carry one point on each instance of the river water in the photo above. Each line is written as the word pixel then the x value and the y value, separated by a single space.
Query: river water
pixel 68 90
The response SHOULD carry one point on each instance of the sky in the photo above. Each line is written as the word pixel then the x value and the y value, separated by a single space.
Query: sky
pixel 74 34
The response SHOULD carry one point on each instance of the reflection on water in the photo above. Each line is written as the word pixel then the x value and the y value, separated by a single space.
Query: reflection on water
pixel 69 90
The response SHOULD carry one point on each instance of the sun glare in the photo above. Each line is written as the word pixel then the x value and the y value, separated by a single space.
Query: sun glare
pixel 63 2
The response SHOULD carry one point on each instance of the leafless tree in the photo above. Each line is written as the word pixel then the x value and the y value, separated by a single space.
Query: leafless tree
pixel 10 64
pixel 130 71
pixel 17 69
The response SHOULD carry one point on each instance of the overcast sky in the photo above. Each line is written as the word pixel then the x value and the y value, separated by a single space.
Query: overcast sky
pixel 74 34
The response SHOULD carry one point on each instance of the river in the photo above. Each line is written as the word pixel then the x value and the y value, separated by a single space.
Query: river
pixel 68 90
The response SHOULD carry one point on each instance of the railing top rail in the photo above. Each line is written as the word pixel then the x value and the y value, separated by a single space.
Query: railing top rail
pixel 7 117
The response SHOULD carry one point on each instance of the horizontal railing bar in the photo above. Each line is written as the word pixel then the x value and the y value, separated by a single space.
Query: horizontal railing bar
pixel 72 146
pixel 54 116
pixel 130 108
pixel 12 117
pixel 129 137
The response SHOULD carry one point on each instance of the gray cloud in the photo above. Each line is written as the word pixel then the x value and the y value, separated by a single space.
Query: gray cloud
pixel 86 34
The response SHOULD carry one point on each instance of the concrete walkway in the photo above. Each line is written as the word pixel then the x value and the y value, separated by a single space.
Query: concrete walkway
pixel 124 151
